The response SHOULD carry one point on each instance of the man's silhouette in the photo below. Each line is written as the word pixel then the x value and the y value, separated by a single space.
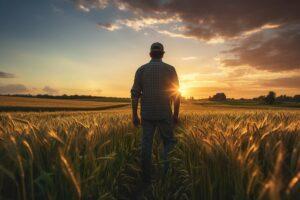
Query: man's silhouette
pixel 156 84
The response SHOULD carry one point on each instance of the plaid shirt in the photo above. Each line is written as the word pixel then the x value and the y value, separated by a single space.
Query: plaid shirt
pixel 156 83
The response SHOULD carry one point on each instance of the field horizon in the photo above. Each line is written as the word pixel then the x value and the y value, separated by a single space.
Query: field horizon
pixel 55 104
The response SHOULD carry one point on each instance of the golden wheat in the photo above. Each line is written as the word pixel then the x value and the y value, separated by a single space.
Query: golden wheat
pixel 90 155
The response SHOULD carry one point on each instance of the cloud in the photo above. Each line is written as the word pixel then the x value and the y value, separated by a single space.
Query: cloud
pixel 288 82
pixel 50 90
pixel 266 33
pixel 87 5
pixel 6 75
pixel 173 34
pixel 260 29
pixel 136 24
pixel 143 22
pixel 108 26
pixel 208 19
pixel 13 89
pixel 189 58
pixel 57 9
pixel 83 8
pixel 279 51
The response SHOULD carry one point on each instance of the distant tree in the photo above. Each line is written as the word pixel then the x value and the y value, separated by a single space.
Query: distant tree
pixel 284 98
pixel 297 98
pixel 218 97
pixel 260 98
pixel 270 98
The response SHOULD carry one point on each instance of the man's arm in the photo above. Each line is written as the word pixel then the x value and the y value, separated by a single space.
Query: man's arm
pixel 134 106
pixel 176 109
pixel 177 98
pixel 135 118
pixel 136 92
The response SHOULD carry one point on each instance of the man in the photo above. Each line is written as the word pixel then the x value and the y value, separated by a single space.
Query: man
pixel 156 83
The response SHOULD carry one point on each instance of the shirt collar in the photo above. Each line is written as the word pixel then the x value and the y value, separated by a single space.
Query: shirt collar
pixel 155 60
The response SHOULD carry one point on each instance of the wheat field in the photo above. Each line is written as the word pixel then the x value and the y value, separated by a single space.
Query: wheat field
pixel 95 155
pixel 25 104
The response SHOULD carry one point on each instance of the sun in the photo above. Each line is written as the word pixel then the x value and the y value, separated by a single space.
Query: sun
pixel 182 91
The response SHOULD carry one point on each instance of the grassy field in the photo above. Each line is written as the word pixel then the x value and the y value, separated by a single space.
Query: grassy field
pixel 8 103
pixel 220 154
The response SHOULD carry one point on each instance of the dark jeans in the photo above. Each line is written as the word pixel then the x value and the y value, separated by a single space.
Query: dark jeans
pixel 165 129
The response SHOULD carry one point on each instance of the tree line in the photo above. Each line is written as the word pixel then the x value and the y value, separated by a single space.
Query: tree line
pixel 75 97
pixel 270 98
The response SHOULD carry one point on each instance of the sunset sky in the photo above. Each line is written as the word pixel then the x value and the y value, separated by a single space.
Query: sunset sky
pixel 242 48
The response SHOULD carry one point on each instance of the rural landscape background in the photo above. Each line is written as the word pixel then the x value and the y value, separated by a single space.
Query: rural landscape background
pixel 66 70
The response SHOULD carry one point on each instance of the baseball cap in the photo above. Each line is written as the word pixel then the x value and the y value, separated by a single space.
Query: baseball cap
pixel 157 47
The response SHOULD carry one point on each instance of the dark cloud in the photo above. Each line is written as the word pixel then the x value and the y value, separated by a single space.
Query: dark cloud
pixel 50 90
pixel 207 19
pixel 13 89
pixel 288 82
pixel 6 75
pixel 108 26
pixel 277 52
pixel 213 18
pixel 238 73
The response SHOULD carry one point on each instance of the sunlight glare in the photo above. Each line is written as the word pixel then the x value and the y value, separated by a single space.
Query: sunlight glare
pixel 182 91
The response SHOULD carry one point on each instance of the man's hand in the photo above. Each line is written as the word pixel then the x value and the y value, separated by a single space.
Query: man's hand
pixel 175 119
pixel 136 120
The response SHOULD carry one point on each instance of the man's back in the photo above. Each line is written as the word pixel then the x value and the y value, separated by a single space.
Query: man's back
pixel 156 83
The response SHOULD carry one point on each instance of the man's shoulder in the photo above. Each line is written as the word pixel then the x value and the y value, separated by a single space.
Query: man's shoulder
pixel 149 64
pixel 141 68
pixel 168 66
